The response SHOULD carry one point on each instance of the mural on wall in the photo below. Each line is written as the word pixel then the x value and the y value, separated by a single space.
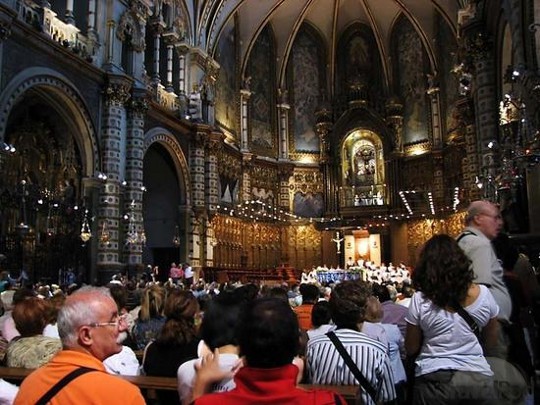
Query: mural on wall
pixel 446 79
pixel 260 70
pixel 308 205
pixel 306 79
pixel 359 65
pixel 226 109
pixel 412 81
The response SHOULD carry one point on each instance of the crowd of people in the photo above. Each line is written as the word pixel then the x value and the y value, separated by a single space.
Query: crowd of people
pixel 430 339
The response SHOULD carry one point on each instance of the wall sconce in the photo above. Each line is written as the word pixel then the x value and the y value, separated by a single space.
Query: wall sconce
pixel 176 237
pixel 105 234
pixel 86 234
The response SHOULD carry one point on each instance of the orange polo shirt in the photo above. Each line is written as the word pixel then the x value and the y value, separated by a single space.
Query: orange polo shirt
pixel 95 387
pixel 303 313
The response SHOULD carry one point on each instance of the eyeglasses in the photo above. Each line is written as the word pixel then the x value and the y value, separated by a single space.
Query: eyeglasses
pixel 496 217
pixel 116 323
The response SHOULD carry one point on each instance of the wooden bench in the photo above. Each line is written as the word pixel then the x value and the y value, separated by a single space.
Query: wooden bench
pixel 152 384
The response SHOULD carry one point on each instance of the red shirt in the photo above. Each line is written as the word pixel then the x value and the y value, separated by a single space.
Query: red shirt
pixel 270 386
pixel 303 313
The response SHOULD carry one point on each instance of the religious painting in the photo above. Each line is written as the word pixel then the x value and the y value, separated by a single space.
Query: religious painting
pixel 411 61
pixel 261 72
pixel 446 46
pixel 359 68
pixel 306 84
pixel 308 205
pixel 226 86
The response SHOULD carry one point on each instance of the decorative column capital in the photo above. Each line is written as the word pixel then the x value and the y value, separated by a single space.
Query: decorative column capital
pixel 116 94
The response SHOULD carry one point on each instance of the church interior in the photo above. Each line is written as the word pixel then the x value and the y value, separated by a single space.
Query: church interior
pixel 256 136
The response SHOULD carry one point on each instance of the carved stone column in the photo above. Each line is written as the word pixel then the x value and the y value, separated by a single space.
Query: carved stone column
pixel 479 47
pixel 197 169
pixel 69 16
pixel 247 165
pixel 157 27
pixel 213 146
pixel 283 111
pixel 244 119
pixel 116 95
pixel 324 127
pixel 134 187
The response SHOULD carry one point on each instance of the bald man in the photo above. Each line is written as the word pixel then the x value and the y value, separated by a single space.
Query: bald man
pixel 89 326
pixel 483 223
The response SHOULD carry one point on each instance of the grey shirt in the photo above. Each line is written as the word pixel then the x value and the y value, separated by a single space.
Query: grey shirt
pixel 487 268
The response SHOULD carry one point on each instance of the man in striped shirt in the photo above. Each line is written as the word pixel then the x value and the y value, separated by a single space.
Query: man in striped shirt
pixel 325 364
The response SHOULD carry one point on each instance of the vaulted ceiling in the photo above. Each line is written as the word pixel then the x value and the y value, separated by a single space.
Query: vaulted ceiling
pixel 329 17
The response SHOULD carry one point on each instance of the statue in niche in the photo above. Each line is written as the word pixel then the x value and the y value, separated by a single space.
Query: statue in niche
pixel 364 165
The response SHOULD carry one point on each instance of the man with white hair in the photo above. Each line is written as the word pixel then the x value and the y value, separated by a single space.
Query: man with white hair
pixel 483 223
pixel 89 326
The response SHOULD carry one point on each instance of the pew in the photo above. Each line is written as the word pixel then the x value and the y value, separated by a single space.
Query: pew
pixel 150 384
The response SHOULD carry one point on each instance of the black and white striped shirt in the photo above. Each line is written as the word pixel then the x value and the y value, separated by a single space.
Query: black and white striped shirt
pixel 326 366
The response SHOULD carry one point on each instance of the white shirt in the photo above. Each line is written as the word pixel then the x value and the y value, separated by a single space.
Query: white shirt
pixel 8 392
pixel 186 376
pixel 449 343
pixel 123 363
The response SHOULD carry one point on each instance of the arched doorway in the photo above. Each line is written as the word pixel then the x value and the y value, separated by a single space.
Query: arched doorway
pixel 43 201
pixel 166 208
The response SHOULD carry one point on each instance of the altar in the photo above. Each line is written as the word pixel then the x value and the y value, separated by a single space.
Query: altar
pixel 325 276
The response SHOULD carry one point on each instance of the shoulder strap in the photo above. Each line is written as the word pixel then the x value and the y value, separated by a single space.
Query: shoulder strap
pixel 62 383
pixel 352 366
pixel 468 318
pixel 466 233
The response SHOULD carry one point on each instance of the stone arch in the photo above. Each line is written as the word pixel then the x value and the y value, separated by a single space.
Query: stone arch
pixel 129 24
pixel 64 96
pixel 168 140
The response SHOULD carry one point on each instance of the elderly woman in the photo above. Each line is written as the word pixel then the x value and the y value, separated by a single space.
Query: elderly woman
pixel 31 349
pixel 450 367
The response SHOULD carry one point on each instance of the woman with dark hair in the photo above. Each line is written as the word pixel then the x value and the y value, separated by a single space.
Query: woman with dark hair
pixel 218 333
pixel 31 349
pixel 450 367
pixel 176 343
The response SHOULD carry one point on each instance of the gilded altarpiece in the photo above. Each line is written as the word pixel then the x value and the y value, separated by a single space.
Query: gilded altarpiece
pixel 246 244
pixel 302 245
pixel 306 193
pixel 420 231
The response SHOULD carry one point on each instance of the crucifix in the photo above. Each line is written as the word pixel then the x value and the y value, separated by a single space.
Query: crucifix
pixel 337 240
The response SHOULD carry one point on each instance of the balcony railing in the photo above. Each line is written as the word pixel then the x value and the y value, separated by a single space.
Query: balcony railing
pixel 362 196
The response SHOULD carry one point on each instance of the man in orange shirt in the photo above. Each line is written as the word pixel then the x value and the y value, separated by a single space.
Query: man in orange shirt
pixel 310 296
pixel 89 326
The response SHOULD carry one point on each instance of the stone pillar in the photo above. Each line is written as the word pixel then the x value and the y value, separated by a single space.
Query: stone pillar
pixel 283 111
pixel 197 166
pixel 116 94
pixel 157 26
pixel 169 84
pixel 244 119
pixel 479 47
pixel 91 27
pixel 331 191
pixel 69 16
pixel 394 119
pixel 134 187
pixel 247 164
pixel 213 146
pixel 181 70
